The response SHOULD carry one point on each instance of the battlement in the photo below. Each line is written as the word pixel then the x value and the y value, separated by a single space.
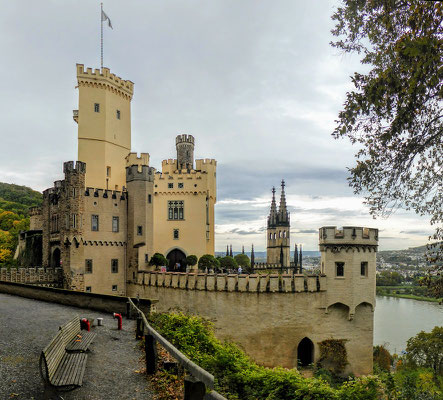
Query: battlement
pixel 349 235
pixel 135 159
pixel 184 139
pixel 170 161
pixel 79 168
pixel 105 193
pixel 204 163
pixel 140 173
pixel 33 211
pixel 105 75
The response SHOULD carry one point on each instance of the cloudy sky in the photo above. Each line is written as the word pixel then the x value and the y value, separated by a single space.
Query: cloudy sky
pixel 255 82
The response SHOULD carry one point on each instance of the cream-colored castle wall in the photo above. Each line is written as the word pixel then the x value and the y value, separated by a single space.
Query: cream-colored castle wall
pixel 269 326
pixel 103 139
pixel 196 236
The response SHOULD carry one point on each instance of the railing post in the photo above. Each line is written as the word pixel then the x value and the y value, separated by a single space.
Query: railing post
pixel 128 310
pixel 139 330
pixel 194 389
pixel 151 354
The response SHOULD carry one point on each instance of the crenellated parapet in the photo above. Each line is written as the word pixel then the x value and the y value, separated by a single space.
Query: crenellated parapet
pixel 244 283
pixel 135 159
pixel 70 168
pixel 334 239
pixel 105 194
pixel 104 79
pixel 189 139
pixel 140 173
pixel 35 276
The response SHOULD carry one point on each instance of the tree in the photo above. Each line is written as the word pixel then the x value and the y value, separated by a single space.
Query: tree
pixel 382 357
pixel 191 260
pixel 394 114
pixel 244 262
pixel 426 350
pixel 158 260
pixel 228 262
pixel 208 261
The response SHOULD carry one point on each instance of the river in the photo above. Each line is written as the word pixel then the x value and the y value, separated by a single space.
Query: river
pixel 396 320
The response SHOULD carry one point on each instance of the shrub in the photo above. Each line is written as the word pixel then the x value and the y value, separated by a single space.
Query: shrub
pixel 158 260
pixel 228 262
pixel 191 260
pixel 382 358
pixel 208 261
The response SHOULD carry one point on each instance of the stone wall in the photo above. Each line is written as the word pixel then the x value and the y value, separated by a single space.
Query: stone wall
pixel 39 276
pixel 269 325
pixel 254 283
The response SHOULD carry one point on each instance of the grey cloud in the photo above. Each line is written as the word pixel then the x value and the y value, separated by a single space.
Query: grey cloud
pixel 417 232
pixel 307 231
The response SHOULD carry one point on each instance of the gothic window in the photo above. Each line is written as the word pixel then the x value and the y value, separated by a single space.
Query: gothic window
pixel 74 221
pixel 114 266
pixel 270 236
pixel 96 107
pixel 176 209
pixel 146 257
pixel 115 224
pixel 284 234
pixel 54 224
pixel 149 198
pixel 88 266
pixel 94 223
pixel 139 230
pixel 275 236
pixel 339 269
pixel 108 171
pixel 175 233
pixel 279 234
pixel 364 268
pixel 118 114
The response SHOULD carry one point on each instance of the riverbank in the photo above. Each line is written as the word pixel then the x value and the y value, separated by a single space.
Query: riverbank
pixel 406 292
pixel 412 296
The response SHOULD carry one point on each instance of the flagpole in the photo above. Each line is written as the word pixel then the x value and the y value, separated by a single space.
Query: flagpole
pixel 101 35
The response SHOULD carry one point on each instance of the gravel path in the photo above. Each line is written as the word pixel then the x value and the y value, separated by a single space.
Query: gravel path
pixel 27 326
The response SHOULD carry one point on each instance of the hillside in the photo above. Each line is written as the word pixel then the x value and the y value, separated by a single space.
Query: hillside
pixel 15 201
pixel 18 199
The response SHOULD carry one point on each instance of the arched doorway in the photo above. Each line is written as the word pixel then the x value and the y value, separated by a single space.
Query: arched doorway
pixel 305 352
pixel 55 259
pixel 176 256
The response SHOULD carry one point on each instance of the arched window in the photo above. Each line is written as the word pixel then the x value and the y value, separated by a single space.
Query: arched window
pixel 279 234
pixel 305 352
pixel 275 236
pixel 284 234
pixel 339 269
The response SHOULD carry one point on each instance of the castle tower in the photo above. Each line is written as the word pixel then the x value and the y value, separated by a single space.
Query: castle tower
pixel 278 241
pixel 104 126
pixel 140 186
pixel 185 152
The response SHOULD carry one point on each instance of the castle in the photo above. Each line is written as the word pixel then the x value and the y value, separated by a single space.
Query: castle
pixel 113 211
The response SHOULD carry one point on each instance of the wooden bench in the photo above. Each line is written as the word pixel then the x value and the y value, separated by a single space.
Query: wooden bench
pixel 59 368
pixel 76 340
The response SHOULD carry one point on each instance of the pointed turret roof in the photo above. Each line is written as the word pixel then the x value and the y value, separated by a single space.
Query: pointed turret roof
pixel 283 215
pixel 272 219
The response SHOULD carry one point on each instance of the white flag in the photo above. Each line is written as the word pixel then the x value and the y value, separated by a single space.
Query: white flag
pixel 105 17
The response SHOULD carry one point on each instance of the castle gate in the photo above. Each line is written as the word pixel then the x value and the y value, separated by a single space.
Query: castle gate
pixel 176 256
pixel 55 259
pixel 305 352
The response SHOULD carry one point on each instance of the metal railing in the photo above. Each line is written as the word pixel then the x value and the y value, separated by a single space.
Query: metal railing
pixel 199 380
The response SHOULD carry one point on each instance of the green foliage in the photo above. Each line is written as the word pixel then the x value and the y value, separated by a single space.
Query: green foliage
pixel 382 358
pixel 237 377
pixel 388 278
pixel 158 260
pixel 10 193
pixel 333 355
pixel 394 114
pixel 191 260
pixel 228 262
pixel 426 350
pixel 208 261
pixel 244 261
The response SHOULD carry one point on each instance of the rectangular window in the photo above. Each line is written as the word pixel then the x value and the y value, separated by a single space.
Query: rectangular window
pixel 175 233
pixel 114 266
pixel 74 220
pixel 108 171
pixel 180 185
pixel 149 198
pixel 146 258
pixel 88 289
pixel 74 192
pixel 115 223
pixel 114 288
pixel 170 185
pixel 139 230
pixel 88 266
pixel 94 223
pixel 96 107
pixel 176 209
pixel 364 268
pixel 118 114
pixel 339 269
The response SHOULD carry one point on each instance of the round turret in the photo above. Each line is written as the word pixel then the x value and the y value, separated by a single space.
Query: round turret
pixel 185 151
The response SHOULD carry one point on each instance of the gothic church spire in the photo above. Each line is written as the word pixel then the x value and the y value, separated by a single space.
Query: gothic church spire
pixel 272 219
pixel 283 215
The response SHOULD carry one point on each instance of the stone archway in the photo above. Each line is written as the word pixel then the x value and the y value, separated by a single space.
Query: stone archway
pixel 305 352
pixel 176 256
pixel 55 258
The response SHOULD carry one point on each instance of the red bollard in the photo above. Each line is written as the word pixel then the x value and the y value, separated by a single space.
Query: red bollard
pixel 85 324
pixel 119 320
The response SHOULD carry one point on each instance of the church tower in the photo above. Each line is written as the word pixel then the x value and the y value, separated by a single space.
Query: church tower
pixel 104 126
pixel 278 241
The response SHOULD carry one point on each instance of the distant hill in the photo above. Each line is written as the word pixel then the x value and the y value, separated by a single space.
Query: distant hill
pixel 18 199
pixel 261 255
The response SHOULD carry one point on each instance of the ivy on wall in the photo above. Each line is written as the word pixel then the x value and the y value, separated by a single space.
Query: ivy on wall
pixel 333 355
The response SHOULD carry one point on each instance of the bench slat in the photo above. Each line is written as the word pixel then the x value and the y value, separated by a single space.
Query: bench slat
pixel 71 370
pixel 83 344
